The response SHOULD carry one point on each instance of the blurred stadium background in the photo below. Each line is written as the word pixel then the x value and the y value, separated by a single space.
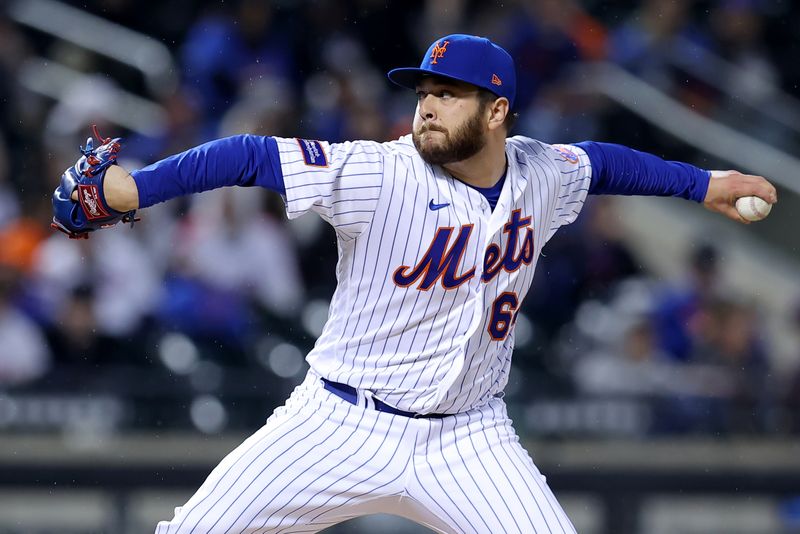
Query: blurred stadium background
pixel 657 371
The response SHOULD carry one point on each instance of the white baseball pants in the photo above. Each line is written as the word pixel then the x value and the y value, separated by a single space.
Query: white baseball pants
pixel 320 460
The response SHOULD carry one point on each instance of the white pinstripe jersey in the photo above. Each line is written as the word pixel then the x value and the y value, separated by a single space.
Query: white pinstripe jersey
pixel 429 276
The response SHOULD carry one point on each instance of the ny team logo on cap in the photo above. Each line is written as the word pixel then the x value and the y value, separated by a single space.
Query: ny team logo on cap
pixel 438 51
pixel 470 59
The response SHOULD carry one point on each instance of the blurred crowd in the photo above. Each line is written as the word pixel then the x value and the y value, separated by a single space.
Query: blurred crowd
pixel 219 295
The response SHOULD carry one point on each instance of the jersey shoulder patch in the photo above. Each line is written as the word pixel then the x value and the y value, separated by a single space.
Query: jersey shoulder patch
pixel 567 154
pixel 313 153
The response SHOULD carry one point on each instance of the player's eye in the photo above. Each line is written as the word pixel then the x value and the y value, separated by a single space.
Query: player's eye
pixel 445 94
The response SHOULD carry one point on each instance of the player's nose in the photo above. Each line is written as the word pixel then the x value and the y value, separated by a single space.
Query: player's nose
pixel 426 108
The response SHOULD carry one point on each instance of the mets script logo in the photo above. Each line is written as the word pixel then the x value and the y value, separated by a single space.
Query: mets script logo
pixel 442 260
pixel 438 51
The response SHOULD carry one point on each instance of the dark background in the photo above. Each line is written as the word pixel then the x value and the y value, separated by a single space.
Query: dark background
pixel 195 322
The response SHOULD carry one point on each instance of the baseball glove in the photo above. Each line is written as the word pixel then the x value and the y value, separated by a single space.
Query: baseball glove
pixel 90 212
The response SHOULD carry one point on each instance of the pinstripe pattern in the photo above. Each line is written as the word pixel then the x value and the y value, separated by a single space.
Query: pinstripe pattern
pixel 319 460
pixel 424 351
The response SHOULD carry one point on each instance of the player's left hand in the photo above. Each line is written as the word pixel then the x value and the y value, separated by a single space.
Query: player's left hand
pixel 79 203
pixel 727 186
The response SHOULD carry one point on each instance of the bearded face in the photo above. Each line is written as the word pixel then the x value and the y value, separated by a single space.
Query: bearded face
pixel 438 145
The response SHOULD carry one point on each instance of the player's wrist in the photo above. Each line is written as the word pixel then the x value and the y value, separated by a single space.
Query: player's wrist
pixel 120 190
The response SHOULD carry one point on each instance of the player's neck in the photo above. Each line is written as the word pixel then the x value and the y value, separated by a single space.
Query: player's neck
pixel 483 169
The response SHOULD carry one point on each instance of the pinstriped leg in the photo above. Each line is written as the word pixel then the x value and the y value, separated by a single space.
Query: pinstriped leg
pixel 308 468
pixel 477 476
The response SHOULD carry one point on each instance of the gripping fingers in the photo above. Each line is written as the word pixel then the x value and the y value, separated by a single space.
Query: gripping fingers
pixel 757 186
pixel 726 187
pixel 753 185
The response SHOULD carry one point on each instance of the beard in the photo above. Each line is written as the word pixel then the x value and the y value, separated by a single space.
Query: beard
pixel 466 141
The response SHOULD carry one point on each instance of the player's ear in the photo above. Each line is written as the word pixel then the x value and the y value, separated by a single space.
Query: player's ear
pixel 497 111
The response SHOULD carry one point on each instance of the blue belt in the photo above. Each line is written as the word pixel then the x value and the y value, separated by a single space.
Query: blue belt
pixel 350 394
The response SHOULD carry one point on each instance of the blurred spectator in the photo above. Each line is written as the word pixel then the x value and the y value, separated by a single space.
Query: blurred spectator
pixel 643 43
pixel 731 341
pixel 742 350
pixel 20 240
pixel 123 278
pixel 84 102
pixel 680 309
pixel 547 38
pixel 540 46
pixel 19 122
pixel 75 334
pixel 609 259
pixel 661 43
pixel 551 305
pixel 268 107
pixel 724 388
pixel 224 52
pixel 24 354
pixel 345 101
pixel 632 366
pixel 585 261
pixel 231 260
pixel 9 203
pixel 440 17
pixel 792 394
pixel 182 130
pixel 14 49
pixel 738 26
pixel 231 243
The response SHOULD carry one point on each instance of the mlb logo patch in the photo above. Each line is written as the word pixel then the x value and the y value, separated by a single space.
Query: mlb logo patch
pixel 567 154
pixel 313 154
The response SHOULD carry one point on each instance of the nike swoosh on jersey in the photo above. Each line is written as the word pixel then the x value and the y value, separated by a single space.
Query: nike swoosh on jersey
pixel 435 207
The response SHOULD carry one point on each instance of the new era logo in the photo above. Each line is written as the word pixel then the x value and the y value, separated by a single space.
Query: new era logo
pixel 496 80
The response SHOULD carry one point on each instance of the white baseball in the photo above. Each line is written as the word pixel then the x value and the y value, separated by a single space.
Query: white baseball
pixel 753 208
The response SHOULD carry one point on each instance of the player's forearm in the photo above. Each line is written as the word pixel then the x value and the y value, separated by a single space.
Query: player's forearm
pixel 120 189
pixel 243 160
pixel 619 170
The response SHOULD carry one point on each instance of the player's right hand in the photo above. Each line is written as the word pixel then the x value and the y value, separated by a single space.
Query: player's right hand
pixel 79 203
pixel 725 187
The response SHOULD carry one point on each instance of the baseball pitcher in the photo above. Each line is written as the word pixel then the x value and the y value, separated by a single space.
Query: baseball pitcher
pixel 439 233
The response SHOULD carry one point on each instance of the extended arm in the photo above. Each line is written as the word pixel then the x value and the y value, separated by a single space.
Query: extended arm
pixel 618 170
pixel 243 160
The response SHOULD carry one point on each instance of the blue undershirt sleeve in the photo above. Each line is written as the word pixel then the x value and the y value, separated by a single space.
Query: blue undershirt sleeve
pixel 619 170
pixel 243 160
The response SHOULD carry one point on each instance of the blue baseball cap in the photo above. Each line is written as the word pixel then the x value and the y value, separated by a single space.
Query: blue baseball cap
pixel 467 58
